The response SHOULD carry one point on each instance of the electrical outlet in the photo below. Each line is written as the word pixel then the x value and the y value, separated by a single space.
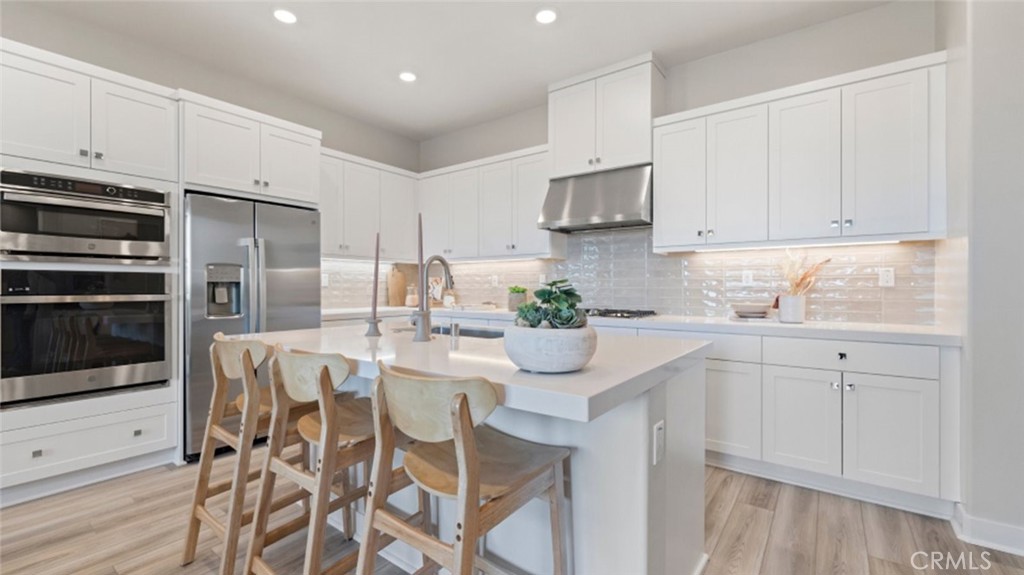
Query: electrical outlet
pixel 325 280
pixel 494 281
pixel 886 277
pixel 748 278
pixel 658 442
pixel 543 279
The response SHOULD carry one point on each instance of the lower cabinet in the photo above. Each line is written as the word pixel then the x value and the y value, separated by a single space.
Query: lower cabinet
pixel 734 408
pixel 803 413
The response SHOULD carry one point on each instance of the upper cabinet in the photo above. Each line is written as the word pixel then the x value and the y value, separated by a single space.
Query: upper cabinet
pixel 397 217
pixel 236 149
pixel 53 114
pixel 602 121
pixel 858 157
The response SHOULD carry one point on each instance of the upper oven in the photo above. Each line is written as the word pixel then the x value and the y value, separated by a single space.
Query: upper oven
pixel 46 217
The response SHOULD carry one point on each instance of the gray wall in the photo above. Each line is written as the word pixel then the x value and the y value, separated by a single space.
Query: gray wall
pixel 506 134
pixel 43 28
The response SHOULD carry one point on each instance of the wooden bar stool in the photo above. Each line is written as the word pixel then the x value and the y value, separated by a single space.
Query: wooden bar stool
pixel 342 429
pixel 233 360
pixel 456 458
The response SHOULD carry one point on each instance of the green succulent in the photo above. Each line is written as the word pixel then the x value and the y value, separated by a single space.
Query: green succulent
pixel 555 308
pixel 516 289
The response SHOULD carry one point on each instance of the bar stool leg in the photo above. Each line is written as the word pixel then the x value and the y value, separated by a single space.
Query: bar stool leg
pixel 233 523
pixel 217 404
pixel 261 516
pixel 325 469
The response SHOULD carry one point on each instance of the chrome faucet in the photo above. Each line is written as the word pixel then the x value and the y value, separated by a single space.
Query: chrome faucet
pixel 422 315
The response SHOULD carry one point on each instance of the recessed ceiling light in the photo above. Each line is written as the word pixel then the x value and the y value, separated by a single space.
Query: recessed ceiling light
pixel 407 77
pixel 546 16
pixel 285 16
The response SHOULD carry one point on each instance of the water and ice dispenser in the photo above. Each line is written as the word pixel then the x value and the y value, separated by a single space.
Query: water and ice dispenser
pixel 223 290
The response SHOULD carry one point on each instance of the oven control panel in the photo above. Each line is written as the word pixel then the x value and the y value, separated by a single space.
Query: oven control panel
pixel 57 184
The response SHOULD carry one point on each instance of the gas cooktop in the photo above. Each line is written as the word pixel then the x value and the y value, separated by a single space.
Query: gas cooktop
pixel 619 313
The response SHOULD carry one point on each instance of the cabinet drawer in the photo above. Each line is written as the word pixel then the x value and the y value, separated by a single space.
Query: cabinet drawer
pixel 728 347
pixel 919 361
pixel 44 451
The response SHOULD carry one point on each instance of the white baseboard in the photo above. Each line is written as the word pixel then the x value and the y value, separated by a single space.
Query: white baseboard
pixel 987 533
pixel 51 485
pixel 912 502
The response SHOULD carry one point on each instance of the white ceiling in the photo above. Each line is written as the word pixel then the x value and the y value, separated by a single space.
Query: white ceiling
pixel 475 61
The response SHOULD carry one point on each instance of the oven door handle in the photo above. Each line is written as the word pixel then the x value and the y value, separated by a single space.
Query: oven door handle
pixel 98 205
pixel 104 298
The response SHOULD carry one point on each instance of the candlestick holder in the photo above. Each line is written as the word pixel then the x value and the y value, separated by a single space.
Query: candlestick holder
pixel 373 329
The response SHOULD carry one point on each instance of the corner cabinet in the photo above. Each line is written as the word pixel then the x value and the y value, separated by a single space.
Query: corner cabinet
pixel 854 158
pixel 235 149
pixel 57 115
pixel 603 121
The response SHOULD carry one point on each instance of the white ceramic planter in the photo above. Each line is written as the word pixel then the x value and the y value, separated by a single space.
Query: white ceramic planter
pixel 550 350
pixel 792 308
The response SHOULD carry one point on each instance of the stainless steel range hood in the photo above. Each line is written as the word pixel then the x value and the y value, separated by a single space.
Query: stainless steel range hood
pixel 613 199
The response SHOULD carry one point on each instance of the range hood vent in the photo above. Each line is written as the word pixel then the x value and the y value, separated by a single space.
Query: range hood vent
pixel 613 199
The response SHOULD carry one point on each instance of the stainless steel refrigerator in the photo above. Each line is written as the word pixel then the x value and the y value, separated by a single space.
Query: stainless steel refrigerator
pixel 249 267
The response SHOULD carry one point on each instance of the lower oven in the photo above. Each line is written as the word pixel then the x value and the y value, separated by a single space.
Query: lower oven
pixel 69 333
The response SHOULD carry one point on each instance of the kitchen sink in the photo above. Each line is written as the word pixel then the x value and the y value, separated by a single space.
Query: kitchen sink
pixel 478 332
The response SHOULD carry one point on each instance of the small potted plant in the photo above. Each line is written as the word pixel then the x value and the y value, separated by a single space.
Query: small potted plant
pixel 801 278
pixel 551 335
pixel 516 297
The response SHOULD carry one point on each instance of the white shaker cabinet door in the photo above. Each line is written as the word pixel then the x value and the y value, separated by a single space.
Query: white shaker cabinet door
pixel 464 216
pixel 432 201
pixel 885 155
pixel 680 171
pixel 332 206
pixel 496 209
pixel 804 195
pixel 530 182
pixel 803 425
pixel 362 209
pixel 44 112
pixel 572 129
pixel 289 164
pixel 134 132
pixel 623 116
pixel 737 161
pixel 397 217
pixel 891 432
pixel 733 420
pixel 221 149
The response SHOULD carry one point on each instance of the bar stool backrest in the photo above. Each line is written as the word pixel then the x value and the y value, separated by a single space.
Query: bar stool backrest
pixel 421 406
pixel 300 372
pixel 226 355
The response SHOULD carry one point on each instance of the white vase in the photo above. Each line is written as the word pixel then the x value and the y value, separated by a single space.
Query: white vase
pixel 550 350
pixel 792 308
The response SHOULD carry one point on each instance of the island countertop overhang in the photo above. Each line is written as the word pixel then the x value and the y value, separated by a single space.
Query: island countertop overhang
pixel 622 368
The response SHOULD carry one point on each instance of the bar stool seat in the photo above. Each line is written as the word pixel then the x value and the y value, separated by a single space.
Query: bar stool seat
pixel 266 402
pixel 506 463
pixel 354 417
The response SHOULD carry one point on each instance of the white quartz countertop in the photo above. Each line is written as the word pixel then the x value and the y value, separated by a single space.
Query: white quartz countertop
pixel 851 331
pixel 623 367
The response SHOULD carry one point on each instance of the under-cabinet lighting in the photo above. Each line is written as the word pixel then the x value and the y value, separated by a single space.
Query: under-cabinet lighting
pixel 285 16
pixel 407 77
pixel 546 16
pixel 783 247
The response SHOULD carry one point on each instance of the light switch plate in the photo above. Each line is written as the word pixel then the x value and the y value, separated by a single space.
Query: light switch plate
pixel 494 281
pixel 886 277
pixel 658 443
pixel 748 278
pixel 325 280
pixel 543 279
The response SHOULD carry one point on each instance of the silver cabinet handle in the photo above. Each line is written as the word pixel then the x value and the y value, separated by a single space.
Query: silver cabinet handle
pixel 83 152
pixel 137 433
pixel 849 387
pixel 265 183
pixel 835 385
pixel 508 246
pixel 37 453
pixel 597 160
pixel 256 181
pixel 711 233
pixel 700 233
pixel 847 223
pixel 834 224
pixel 842 356
pixel 98 155
pixel 590 162
pixel 513 246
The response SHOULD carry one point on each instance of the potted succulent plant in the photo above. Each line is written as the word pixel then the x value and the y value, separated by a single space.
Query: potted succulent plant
pixel 551 335
pixel 516 297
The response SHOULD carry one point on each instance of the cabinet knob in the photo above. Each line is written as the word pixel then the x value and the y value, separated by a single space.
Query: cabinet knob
pixel 834 223
pixel 137 433
pixel 835 385
pixel 700 233
pixel 849 387
pixel 256 181
pixel 842 355
pixel 847 223
pixel 513 246
pixel 83 152
pixel 37 453
pixel 265 183
pixel 711 233
pixel 597 160
pixel 590 162
pixel 98 155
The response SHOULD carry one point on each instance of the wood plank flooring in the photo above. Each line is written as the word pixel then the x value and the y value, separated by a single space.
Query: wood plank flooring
pixel 136 525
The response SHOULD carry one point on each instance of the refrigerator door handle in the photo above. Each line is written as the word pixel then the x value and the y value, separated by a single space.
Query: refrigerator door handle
pixel 261 256
pixel 252 322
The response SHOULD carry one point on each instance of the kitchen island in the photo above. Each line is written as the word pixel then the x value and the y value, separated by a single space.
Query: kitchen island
pixel 634 418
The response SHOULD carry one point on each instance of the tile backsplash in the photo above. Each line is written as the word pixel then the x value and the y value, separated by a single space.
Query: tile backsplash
pixel 618 269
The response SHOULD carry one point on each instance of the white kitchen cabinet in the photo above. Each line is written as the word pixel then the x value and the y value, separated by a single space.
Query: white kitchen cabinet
pixel 134 132
pixel 397 217
pixel 804 186
pixel 604 122
pixel 530 187
pixel 44 111
pixel 891 432
pixel 496 210
pixel 332 206
pixel 737 176
pixel 885 155
pixel 802 418
pixel 360 209
pixel 289 164
pixel 733 420
pixel 432 203
pixel 464 214
pixel 221 149
pixel 680 217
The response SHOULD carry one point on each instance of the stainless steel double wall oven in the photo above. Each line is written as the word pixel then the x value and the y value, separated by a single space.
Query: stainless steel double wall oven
pixel 85 305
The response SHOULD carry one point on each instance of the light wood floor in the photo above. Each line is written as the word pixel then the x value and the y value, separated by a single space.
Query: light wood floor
pixel 136 524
